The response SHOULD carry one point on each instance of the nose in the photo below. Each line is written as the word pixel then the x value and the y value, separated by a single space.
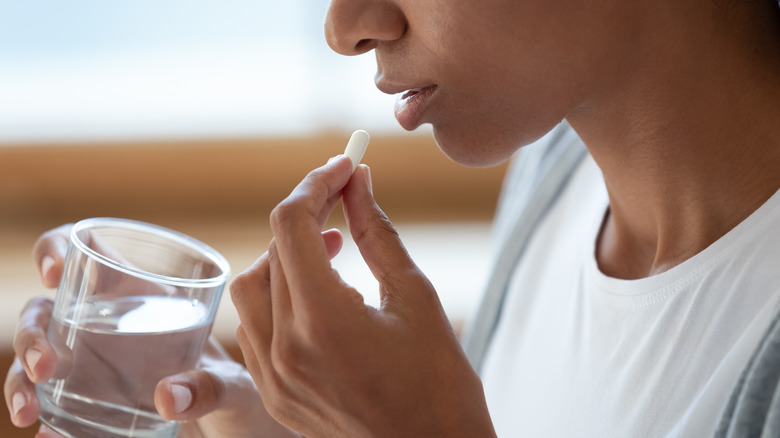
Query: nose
pixel 353 27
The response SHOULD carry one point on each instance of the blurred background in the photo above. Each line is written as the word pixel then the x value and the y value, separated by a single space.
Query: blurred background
pixel 201 115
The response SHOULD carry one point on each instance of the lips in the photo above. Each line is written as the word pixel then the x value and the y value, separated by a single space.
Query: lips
pixel 411 105
pixel 410 93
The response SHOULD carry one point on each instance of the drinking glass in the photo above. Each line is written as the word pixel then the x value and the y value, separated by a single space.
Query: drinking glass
pixel 135 304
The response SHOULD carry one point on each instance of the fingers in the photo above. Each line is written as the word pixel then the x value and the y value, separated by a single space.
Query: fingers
pixel 20 397
pixel 384 252
pixel 333 242
pixel 377 240
pixel 250 292
pixel 222 389
pixel 281 303
pixel 189 395
pixel 297 221
pixel 221 385
pixel 30 342
pixel 249 354
pixel 49 254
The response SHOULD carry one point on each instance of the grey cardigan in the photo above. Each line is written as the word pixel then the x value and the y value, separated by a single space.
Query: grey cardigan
pixel 533 183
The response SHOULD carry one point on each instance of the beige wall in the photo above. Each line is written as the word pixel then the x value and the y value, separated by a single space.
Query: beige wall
pixel 50 184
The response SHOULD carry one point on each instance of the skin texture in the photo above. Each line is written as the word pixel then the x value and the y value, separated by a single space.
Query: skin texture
pixel 677 102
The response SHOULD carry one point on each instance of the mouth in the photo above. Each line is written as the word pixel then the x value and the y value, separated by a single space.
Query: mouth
pixel 387 86
pixel 411 105
pixel 410 93
pixel 413 93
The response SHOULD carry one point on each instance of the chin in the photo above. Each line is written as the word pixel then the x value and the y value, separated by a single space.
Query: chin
pixel 480 147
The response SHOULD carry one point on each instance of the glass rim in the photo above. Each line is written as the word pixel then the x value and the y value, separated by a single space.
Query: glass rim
pixel 129 224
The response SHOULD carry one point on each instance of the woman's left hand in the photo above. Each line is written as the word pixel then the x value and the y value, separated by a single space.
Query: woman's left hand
pixel 326 364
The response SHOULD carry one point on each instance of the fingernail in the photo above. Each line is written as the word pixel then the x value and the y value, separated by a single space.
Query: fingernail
pixel 368 181
pixel 32 356
pixel 182 398
pixel 17 402
pixel 332 158
pixel 46 264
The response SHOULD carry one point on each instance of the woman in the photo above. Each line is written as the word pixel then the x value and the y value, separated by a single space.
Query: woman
pixel 635 283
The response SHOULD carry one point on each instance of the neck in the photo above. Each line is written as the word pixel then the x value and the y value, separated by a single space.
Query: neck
pixel 689 145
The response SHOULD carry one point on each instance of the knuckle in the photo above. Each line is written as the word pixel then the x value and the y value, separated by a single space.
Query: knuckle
pixel 33 322
pixel 284 212
pixel 48 238
pixel 246 283
pixel 241 280
pixel 240 293
pixel 316 178
pixel 250 282
pixel 56 233
pixel 302 200
pixel 238 287
pixel 25 338
pixel 36 307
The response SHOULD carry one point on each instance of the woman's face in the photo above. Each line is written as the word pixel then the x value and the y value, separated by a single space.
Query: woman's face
pixel 489 75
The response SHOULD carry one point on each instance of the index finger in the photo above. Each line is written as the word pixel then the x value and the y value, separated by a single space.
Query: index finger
pixel 297 223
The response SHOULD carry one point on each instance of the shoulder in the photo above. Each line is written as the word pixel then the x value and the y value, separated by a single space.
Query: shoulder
pixel 754 406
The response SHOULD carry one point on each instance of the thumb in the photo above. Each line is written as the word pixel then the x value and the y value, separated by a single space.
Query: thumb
pixel 188 395
pixel 195 393
pixel 376 238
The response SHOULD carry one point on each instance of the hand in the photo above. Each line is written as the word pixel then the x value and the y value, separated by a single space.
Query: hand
pixel 218 399
pixel 326 364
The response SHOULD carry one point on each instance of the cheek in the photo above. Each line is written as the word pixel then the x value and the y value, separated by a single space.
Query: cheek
pixel 492 102
pixel 497 97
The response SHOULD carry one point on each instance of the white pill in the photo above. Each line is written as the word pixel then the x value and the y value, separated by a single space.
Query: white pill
pixel 357 147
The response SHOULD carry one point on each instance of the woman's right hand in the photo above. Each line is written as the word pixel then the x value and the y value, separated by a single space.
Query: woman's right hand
pixel 216 400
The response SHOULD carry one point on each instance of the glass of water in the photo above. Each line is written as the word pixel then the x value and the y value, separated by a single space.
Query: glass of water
pixel 135 304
